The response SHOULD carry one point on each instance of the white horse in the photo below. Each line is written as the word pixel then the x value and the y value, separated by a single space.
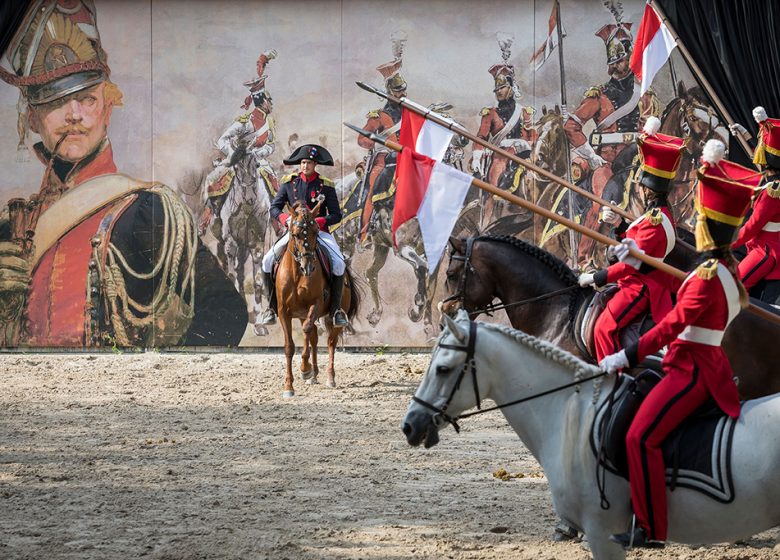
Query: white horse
pixel 509 365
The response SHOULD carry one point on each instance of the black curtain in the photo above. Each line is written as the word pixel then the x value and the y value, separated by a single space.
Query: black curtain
pixel 736 44
pixel 11 15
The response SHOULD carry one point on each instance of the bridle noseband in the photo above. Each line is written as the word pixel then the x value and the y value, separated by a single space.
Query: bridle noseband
pixel 307 253
pixel 460 294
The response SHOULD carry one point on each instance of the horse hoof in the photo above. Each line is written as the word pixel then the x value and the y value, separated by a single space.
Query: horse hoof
pixel 330 384
pixel 415 314
pixel 260 330
pixel 288 394
pixel 308 374
pixel 312 381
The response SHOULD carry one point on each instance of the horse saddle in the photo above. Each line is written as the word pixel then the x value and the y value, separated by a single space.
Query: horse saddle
pixel 585 322
pixel 697 454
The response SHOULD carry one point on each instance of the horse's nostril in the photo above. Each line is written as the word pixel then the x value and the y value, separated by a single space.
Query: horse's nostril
pixel 407 429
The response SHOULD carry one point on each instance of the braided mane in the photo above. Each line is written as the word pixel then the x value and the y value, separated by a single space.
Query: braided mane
pixel 552 262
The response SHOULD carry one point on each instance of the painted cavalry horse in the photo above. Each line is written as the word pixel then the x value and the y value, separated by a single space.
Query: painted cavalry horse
pixel 514 271
pixel 302 293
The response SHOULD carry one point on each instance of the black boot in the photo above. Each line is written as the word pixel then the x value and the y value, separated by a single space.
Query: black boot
pixel 336 288
pixel 269 316
pixel 636 538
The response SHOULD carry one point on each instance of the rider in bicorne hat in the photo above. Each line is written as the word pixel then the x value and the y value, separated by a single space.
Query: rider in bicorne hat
pixel 695 366
pixel 641 288
pixel 761 232
pixel 306 186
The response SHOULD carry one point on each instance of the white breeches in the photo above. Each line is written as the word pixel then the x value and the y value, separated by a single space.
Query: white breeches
pixel 334 253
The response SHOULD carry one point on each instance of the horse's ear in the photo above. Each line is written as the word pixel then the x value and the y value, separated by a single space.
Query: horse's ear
pixel 458 245
pixel 455 326
pixel 681 91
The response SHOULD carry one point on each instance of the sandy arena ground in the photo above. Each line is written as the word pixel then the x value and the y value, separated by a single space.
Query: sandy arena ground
pixel 195 456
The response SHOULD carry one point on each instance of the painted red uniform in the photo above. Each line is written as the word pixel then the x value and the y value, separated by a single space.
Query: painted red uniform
pixel 761 236
pixel 491 128
pixel 640 290
pixel 696 368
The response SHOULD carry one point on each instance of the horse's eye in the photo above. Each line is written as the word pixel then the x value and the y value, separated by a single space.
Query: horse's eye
pixel 441 370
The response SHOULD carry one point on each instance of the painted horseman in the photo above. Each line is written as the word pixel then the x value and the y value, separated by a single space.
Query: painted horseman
pixel 252 133
pixel 508 125
pixel 306 187
pixel 760 269
pixel 113 260
pixel 387 123
pixel 618 112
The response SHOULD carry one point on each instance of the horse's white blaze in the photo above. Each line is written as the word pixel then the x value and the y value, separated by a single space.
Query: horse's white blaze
pixel 555 429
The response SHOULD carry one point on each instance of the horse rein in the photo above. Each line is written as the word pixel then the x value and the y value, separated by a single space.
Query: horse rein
pixel 441 415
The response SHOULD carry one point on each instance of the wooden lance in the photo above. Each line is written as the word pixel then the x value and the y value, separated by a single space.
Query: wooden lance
pixel 600 237
pixel 459 129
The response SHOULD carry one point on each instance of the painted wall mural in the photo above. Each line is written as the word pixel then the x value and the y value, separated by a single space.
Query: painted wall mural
pixel 148 225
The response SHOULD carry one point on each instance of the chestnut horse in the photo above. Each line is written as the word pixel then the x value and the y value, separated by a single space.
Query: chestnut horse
pixel 302 292
pixel 515 271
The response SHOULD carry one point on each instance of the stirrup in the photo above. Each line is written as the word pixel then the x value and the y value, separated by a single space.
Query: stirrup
pixel 636 538
pixel 564 532
pixel 269 317
pixel 340 318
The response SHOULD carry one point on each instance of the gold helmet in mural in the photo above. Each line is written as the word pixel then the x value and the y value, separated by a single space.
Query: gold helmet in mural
pixel 503 75
pixel 390 71
pixel 56 51
pixel 618 41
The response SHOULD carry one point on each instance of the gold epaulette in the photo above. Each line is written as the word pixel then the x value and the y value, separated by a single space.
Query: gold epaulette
pixel 595 91
pixel 773 189
pixel 327 182
pixel 655 217
pixel 484 111
pixel 372 114
pixel 708 269
pixel 288 178
pixel 243 119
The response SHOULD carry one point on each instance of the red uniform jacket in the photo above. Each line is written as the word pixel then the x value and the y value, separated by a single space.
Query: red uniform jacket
pixel 762 229
pixel 654 234
pixel 693 332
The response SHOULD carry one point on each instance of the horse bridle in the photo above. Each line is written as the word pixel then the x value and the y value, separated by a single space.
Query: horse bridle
pixel 299 256
pixel 460 294
pixel 441 415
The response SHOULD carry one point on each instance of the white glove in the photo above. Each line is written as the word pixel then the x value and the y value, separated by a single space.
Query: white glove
pixel 739 130
pixel 614 362
pixel 586 151
pixel 585 279
pixel 263 151
pixel 609 216
pixel 270 55
pixel 621 252
pixel 287 222
pixel 476 161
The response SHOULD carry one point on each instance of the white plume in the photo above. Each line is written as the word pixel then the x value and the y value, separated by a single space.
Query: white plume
pixel 759 113
pixel 713 152
pixel 652 125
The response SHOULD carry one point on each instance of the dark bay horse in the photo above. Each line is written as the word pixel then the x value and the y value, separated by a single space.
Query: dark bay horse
pixel 514 271
pixel 302 293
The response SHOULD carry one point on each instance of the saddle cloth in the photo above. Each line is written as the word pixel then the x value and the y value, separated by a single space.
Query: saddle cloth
pixel 697 455
pixel 585 322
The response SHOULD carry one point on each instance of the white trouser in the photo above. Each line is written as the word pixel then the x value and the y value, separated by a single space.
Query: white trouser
pixel 337 263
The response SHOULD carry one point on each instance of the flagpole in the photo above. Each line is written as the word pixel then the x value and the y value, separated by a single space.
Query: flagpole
pixel 595 235
pixel 564 112
pixel 698 73
pixel 460 129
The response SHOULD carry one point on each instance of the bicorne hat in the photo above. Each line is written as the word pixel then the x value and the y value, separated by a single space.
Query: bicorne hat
pixel 316 153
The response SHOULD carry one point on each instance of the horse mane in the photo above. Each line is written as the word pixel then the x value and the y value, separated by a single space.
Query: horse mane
pixel 547 350
pixel 553 263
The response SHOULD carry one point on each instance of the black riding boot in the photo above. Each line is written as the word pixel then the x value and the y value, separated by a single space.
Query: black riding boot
pixel 336 289
pixel 269 316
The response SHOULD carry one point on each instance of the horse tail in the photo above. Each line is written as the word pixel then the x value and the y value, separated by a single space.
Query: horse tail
pixel 355 294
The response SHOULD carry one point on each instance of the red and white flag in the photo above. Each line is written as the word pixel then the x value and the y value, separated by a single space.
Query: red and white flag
pixel 654 44
pixel 425 187
pixel 545 50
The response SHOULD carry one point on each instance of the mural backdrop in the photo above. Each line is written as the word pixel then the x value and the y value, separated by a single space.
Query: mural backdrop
pixel 151 232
